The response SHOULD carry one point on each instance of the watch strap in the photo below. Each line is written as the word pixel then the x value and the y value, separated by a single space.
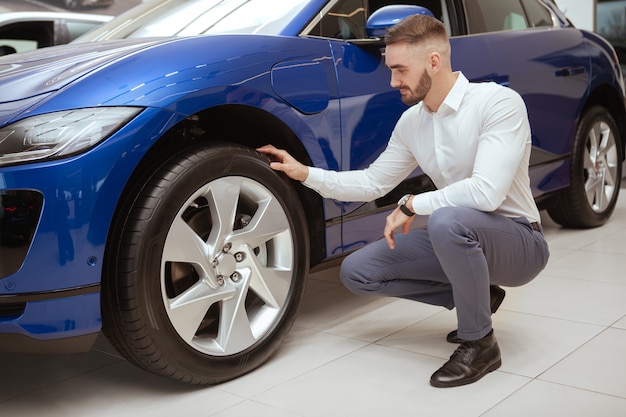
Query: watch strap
pixel 406 210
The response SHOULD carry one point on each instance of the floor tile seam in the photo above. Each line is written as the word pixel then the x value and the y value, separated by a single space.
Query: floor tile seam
pixel 612 326
pixel 528 382
pixel 547 381
pixel 568 355
pixel 593 281
pixel 561 358
pixel 256 401
pixel 431 316
pixel 243 400
pixel 400 329
pixel 287 381
pixel 59 382
pixel 586 248
pixel 109 354
pixel 443 357
pixel 545 316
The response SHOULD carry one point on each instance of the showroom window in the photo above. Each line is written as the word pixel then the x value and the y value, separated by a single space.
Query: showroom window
pixel 611 24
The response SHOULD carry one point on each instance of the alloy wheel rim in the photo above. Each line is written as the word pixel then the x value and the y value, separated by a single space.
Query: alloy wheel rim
pixel 227 266
pixel 600 163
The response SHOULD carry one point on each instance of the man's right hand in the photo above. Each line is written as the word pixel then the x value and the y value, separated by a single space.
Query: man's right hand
pixel 283 161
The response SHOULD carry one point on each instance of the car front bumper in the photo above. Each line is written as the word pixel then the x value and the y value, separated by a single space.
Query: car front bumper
pixel 48 323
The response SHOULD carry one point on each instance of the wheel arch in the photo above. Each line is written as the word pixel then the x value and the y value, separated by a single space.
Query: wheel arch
pixel 244 125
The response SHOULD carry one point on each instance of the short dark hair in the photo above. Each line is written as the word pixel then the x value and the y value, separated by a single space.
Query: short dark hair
pixel 416 29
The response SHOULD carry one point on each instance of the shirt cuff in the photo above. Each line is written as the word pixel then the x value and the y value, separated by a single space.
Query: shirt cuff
pixel 315 179
pixel 421 204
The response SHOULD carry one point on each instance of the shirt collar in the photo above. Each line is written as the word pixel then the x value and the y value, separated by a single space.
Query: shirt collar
pixel 455 95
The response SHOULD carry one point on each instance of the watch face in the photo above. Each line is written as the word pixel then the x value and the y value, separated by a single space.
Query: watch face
pixel 404 199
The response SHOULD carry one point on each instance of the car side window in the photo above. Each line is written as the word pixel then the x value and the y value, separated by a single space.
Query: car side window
pixel 498 15
pixel 345 20
pixel 494 15
pixel 538 15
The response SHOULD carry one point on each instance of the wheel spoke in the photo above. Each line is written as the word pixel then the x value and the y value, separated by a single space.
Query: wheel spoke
pixel 223 196
pixel 271 284
pixel 268 222
pixel 598 162
pixel 593 146
pixel 184 245
pixel 235 331
pixel 187 311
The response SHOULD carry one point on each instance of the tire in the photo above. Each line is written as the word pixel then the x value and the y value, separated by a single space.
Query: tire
pixel 595 173
pixel 208 267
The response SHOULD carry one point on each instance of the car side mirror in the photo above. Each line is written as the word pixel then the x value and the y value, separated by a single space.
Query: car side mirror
pixel 385 17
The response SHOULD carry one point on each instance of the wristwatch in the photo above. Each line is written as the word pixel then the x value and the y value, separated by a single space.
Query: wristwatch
pixel 402 204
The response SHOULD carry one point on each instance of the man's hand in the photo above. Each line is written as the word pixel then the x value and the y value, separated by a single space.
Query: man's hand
pixel 283 161
pixel 396 219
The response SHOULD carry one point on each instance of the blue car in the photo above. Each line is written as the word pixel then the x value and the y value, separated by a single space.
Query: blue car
pixel 154 219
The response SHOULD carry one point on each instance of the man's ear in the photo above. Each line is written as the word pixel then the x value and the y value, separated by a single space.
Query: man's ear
pixel 434 62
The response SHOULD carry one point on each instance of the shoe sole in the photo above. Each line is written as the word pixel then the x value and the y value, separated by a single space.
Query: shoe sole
pixel 468 381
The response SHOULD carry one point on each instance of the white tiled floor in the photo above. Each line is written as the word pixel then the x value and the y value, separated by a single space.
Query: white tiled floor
pixel 563 341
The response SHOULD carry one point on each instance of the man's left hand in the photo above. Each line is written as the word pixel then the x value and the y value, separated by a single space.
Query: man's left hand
pixel 396 219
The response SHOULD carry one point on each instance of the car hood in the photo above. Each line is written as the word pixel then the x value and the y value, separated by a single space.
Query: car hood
pixel 36 73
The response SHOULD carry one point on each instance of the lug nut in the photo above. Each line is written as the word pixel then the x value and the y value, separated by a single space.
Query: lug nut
pixel 235 277
pixel 239 256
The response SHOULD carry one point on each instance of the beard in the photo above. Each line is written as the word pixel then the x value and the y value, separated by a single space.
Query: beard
pixel 417 94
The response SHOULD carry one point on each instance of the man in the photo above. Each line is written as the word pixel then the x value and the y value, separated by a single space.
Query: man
pixel 473 140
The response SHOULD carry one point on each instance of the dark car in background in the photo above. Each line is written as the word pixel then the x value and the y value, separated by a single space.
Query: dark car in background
pixel 26 31
pixel 158 223
pixel 81 4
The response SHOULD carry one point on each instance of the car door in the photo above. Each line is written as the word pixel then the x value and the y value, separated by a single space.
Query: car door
pixel 548 65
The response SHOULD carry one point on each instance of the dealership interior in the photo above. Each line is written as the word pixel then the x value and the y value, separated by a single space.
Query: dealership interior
pixel 562 337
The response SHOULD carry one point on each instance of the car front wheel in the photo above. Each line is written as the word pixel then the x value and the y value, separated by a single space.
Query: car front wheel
pixel 208 267
pixel 595 173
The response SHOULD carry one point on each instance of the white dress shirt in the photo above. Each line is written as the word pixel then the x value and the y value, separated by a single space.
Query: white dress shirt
pixel 475 148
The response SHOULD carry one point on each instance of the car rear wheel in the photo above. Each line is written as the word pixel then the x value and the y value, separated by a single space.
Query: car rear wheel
pixel 209 266
pixel 595 173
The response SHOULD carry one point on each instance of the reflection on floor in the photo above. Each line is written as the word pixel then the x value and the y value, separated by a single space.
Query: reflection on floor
pixel 563 341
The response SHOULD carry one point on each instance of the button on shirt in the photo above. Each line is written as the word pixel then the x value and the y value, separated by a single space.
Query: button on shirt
pixel 475 148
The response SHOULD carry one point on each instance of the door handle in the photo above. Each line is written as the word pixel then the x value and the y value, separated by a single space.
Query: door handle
pixel 567 72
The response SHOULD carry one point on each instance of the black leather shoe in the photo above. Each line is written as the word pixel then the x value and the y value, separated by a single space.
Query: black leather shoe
pixel 471 361
pixel 497 296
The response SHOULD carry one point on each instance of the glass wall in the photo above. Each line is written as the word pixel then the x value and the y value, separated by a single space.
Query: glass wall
pixel 611 23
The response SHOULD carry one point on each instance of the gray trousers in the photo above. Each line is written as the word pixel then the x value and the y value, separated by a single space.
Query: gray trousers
pixel 451 264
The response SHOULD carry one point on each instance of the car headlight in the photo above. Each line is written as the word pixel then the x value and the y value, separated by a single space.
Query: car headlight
pixel 60 134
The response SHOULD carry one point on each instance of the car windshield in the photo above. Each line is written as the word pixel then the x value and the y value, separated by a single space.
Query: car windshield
pixel 194 17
